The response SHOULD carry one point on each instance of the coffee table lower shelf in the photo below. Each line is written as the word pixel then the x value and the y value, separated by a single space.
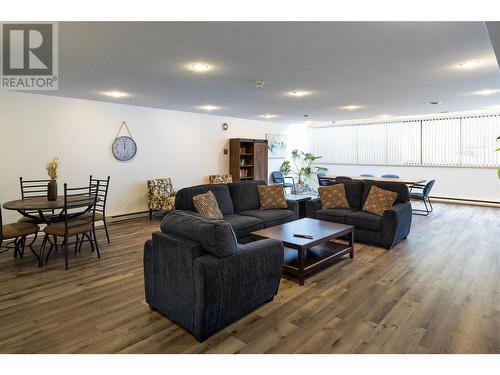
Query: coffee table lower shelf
pixel 315 258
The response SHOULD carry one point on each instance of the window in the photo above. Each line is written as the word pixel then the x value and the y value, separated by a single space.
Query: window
pixel 467 141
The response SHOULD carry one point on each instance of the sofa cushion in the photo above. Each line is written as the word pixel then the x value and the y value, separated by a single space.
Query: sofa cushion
pixel 353 191
pixel 206 205
pixel 243 225
pixel 271 197
pixel 214 236
pixel 184 197
pixel 245 195
pixel 333 196
pixel 365 220
pixel 271 217
pixel 379 200
pixel 336 215
pixel 401 189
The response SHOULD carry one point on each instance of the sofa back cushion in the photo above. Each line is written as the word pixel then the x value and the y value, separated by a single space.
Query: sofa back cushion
pixel 401 189
pixel 245 195
pixel 184 197
pixel 353 191
pixel 214 236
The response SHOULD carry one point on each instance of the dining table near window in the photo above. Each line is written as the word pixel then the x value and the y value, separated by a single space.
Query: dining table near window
pixel 401 180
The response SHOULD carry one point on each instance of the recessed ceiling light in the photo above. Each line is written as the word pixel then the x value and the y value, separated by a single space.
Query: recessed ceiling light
pixel 209 107
pixel 383 116
pixel 352 107
pixel 200 67
pixel 486 92
pixel 468 65
pixel 268 115
pixel 436 102
pixel 299 93
pixel 115 94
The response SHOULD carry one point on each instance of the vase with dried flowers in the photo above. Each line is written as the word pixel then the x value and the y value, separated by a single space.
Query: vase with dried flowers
pixel 52 166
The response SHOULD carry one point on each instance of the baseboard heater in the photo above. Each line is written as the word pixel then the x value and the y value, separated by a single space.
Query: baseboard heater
pixel 472 202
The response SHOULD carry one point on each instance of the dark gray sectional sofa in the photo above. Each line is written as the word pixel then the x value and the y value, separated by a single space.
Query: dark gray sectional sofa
pixel 197 275
pixel 386 231
pixel 240 205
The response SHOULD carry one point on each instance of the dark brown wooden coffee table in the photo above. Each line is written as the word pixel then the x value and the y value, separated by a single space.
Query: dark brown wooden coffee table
pixel 304 256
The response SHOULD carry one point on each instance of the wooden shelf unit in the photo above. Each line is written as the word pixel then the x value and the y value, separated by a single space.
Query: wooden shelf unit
pixel 248 159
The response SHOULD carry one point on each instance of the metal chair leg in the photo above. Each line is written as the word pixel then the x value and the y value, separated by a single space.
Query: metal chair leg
pixel 106 230
pixel 96 245
pixel 65 251
pixel 42 250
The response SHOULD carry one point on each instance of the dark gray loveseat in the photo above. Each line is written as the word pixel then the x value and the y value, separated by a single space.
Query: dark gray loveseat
pixel 386 231
pixel 240 205
pixel 197 275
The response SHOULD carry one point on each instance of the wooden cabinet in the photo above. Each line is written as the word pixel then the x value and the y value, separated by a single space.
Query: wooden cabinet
pixel 248 159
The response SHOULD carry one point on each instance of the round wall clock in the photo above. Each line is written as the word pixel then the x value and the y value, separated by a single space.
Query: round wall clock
pixel 124 148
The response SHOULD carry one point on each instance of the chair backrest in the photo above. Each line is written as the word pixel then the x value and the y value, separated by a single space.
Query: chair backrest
pixel 75 197
pixel 322 180
pixel 390 176
pixel 33 188
pixel 220 179
pixel 102 192
pixel 343 178
pixel 367 175
pixel 277 177
pixel 428 187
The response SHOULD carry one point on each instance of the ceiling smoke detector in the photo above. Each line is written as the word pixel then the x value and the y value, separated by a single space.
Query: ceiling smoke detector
pixel 259 84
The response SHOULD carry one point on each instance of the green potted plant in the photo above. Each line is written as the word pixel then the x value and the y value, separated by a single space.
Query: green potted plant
pixel 300 168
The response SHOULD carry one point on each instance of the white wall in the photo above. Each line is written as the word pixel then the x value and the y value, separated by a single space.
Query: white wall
pixel 184 146
pixel 451 182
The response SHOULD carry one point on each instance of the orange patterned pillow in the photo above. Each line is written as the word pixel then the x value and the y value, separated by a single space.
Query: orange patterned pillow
pixel 379 200
pixel 333 196
pixel 272 196
pixel 206 204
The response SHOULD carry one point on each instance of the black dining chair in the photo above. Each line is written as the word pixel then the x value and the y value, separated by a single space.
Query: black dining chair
pixel 342 178
pixel 422 194
pixel 278 178
pixel 389 176
pixel 13 236
pixel 33 189
pixel 100 210
pixel 322 179
pixel 73 226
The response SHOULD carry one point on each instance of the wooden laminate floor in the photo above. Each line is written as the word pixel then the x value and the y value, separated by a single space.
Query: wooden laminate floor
pixel 437 292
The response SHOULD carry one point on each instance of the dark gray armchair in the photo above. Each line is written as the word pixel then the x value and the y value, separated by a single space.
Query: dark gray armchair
pixel 197 275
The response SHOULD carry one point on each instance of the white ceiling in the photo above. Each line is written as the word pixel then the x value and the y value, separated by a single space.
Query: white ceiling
pixel 391 68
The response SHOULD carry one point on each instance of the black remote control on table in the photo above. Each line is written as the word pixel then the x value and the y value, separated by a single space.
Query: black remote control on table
pixel 308 236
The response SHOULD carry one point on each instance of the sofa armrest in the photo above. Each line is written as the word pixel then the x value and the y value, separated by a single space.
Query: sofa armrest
pixel 312 206
pixel 227 288
pixel 293 206
pixel 396 224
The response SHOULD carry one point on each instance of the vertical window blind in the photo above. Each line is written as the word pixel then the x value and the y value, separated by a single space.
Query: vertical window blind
pixel 467 141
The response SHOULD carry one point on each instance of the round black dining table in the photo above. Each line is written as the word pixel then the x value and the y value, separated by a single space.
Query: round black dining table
pixel 38 207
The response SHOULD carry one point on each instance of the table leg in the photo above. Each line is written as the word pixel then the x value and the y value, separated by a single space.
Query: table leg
pixel 351 244
pixel 302 253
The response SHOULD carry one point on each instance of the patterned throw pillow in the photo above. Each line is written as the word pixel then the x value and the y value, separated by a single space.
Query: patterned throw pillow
pixel 272 196
pixel 379 200
pixel 206 204
pixel 333 196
